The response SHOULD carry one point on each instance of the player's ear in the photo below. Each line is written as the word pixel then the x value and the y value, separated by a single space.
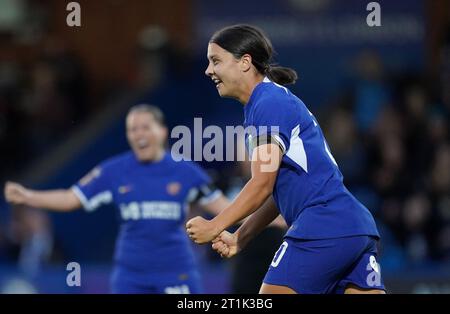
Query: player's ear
pixel 246 62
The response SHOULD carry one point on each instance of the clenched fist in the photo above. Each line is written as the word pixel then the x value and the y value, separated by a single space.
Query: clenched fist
pixel 226 244
pixel 16 193
pixel 201 230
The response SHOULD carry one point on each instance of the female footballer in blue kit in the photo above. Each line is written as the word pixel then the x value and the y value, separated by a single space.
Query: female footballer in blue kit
pixel 152 192
pixel 330 246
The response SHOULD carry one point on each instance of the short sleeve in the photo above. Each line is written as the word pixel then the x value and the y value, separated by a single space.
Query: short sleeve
pixel 94 189
pixel 270 124
pixel 203 190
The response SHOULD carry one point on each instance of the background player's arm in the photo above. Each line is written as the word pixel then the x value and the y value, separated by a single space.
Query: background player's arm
pixel 265 163
pixel 216 206
pixel 57 200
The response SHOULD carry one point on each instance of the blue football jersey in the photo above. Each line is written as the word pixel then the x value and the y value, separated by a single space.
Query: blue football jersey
pixel 152 199
pixel 309 188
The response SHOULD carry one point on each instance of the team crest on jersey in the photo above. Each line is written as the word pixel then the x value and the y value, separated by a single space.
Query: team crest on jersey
pixel 173 188
pixel 94 173
pixel 183 276
pixel 124 189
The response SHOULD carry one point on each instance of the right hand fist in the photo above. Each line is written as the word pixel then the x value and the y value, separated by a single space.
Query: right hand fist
pixel 226 244
pixel 16 193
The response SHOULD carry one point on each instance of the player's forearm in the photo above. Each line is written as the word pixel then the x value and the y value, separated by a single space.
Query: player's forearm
pixel 257 222
pixel 252 196
pixel 57 200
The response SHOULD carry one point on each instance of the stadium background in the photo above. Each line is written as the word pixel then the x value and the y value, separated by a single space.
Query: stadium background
pixel 381 94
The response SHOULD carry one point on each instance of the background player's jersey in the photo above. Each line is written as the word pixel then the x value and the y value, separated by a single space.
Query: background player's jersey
pixel 152 199
pixel 309 189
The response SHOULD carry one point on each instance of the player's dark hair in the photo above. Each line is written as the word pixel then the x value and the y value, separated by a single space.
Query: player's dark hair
pixel 243 39
pixel 157 114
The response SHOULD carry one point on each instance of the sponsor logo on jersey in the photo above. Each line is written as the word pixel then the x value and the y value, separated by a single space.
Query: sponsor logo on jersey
pixel 173 188
pixel 150 210
pixel 183 276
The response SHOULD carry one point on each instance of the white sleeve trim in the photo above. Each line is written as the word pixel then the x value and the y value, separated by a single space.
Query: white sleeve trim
pixel 94 202
pixel 280 141
pixel 210 198
pixel 80 196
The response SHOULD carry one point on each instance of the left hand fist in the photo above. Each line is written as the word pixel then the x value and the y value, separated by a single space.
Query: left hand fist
pixel 201 230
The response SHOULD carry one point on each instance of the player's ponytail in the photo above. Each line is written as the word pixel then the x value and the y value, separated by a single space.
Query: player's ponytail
pixel 246 39
pixel 281 75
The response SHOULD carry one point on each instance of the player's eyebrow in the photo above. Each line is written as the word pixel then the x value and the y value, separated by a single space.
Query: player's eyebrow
pixel 210 57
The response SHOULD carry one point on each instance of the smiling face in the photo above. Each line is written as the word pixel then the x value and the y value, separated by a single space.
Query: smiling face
pixel 145 135
pixel 225 70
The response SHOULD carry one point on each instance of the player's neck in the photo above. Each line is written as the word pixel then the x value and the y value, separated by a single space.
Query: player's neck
pixel 159 155
pixel 249 87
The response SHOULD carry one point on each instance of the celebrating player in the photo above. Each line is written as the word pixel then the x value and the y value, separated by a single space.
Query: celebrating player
pixel 330 246
pixel 152 193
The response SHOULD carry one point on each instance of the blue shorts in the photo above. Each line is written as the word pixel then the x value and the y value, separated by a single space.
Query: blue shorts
pixel 130 282
pixel 326 265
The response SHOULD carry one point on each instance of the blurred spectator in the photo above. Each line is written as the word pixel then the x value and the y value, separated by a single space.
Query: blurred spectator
pixel 55 99
pixel 371 92
pixel 415 110
pixel 152 53
pixel 440 195
pixel 348 149
pixel 48 110
pixel 416 216
pixel 30 231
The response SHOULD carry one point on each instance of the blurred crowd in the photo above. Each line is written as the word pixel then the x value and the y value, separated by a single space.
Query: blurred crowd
pixel 41 101
pixel 390 136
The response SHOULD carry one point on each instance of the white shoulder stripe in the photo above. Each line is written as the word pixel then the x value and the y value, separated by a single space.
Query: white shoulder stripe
pixel 297 150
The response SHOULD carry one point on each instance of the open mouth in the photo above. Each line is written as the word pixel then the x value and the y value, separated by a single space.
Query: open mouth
pixel 217 82
pixel 142 144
